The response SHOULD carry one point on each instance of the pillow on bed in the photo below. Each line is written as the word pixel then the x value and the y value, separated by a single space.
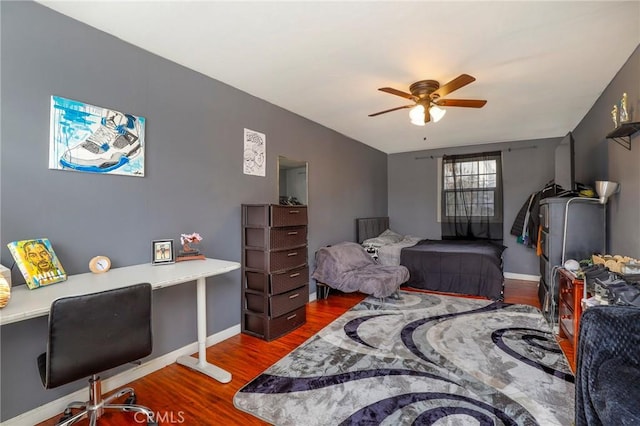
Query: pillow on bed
pixel 411 239
pixel 389 234
pixel 386 238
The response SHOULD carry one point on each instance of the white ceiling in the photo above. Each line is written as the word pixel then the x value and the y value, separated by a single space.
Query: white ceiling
pixel 540 65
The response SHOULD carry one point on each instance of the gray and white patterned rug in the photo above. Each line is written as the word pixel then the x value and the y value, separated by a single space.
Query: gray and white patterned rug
pixel 422 360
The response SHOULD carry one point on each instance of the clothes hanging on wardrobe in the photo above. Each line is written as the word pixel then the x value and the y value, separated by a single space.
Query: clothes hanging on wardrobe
pixel 525 225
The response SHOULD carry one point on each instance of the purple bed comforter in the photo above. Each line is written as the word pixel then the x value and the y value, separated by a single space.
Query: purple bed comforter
pixel 453 266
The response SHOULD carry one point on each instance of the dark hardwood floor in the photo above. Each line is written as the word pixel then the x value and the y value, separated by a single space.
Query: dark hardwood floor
pixel 181 396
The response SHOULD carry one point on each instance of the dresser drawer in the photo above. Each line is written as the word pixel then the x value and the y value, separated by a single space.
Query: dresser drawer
pixel 274 215
pixel 288 215
pixel 274 261
pixel 544 216
pixel 276 238
pixel 278 305
pixel 566 321
pixel 277 283
pixel 544 268
pixel 567 294
pixel 544 243
pixel 290 301
pixel 269 329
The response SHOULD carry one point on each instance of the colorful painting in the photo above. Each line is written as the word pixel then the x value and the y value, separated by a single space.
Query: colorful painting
pixel 255 145
pixel 88 138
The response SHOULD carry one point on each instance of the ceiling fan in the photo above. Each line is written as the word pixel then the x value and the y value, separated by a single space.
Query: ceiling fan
pixel 427 94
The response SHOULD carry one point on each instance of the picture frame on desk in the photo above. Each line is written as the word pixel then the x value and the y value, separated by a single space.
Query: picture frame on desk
pixel 162 252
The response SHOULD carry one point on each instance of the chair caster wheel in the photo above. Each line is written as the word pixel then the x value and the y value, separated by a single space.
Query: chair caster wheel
pixel 131 400
pixel 66 415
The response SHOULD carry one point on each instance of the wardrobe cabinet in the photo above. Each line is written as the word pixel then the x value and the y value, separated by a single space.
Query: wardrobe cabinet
pixel 275 272
pixel 572 228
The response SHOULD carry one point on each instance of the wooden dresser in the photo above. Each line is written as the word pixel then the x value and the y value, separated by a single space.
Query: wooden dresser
pixel 570 309
pixel 275 272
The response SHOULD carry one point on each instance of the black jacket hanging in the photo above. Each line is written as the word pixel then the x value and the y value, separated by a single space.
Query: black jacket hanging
pixel 525 225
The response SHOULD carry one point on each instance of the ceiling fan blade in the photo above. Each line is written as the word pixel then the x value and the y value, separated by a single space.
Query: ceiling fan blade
pixel 389 110
pixel 458 82
pixel 467 103
pixel 398 93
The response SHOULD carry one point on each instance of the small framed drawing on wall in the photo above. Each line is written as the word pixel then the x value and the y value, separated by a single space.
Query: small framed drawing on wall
pixel 162 252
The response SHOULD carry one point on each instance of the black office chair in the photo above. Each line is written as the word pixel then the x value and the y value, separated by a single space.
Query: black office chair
pixel 93 333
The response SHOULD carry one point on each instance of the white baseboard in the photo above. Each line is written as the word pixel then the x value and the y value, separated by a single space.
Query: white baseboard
pixel 523 277
pixel 52 408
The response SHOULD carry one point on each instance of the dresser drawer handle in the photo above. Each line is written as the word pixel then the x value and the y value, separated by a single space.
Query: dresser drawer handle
pixel 292 233
pixel 290 317
pixel 294 211
pixel 293 296
pixel 292 254
pixel 294 275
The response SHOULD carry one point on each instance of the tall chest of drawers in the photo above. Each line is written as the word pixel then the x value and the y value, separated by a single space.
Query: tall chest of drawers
pixel 275 272
pixel 572 228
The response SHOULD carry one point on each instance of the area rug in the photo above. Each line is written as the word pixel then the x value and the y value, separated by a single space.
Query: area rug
pixel 421 360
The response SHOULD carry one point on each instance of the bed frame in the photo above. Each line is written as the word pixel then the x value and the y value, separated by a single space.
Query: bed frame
pixel 370 227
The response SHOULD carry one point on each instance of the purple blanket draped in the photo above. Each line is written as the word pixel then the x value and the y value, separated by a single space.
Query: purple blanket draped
pixel 347 267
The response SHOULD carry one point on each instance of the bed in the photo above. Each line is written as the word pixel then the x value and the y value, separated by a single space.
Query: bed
pixel 451 266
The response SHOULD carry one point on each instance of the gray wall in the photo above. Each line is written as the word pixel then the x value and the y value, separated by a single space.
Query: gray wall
pixel 598 158
pixel 526 167
pixel 413 176
pixel 193 182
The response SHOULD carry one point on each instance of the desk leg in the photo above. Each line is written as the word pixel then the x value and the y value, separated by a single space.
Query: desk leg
pixel 200 364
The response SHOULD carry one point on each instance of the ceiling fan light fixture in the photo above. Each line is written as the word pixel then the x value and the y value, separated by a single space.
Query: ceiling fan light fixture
pixel 429 94
pixel 416 114
pixel 437 113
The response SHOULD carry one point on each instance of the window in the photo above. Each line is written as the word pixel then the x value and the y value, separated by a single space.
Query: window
pixel 471 196
pixel 469 188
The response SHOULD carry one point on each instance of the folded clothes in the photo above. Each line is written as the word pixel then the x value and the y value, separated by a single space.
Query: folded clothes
pixel 610 287
pixel 592 279
pixel 617 291
pixel 591 271
pixel 627 294
pixel 591 267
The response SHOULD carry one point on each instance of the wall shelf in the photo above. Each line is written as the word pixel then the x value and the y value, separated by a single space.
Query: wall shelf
pixel 622 134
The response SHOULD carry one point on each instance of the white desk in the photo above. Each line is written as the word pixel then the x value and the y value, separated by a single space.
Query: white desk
pixel 25 304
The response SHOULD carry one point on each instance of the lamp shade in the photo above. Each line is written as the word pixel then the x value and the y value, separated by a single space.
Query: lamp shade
pixel 605 189
pixel 437 113
pixel 416 114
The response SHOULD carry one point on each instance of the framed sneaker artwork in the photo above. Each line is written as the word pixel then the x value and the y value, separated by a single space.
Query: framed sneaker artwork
pixel 87 138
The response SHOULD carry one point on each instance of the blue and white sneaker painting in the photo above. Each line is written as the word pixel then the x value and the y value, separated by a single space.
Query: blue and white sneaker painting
pixel 88 138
